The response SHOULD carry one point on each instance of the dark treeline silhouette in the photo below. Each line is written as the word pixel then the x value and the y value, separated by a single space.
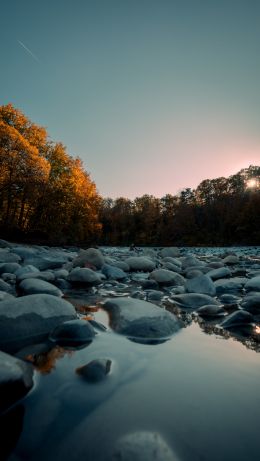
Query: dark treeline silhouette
pixel 46 196
pixel 220 211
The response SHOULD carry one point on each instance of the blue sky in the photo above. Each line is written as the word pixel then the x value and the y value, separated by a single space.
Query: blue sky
pixel 154 96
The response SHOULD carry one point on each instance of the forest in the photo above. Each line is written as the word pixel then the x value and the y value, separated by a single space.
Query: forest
pixel 46 196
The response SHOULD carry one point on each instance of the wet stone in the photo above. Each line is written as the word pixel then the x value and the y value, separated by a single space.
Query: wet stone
pixel 73 333
pixel 142 446
pixel 96 370
pixel 16 379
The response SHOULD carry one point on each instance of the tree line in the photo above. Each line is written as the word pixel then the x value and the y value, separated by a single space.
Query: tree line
pixel 220 211
pixel 46 195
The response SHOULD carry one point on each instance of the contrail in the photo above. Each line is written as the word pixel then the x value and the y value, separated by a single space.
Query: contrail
pixel 29 51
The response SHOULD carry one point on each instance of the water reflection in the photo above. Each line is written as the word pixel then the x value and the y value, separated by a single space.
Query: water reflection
pixel 11 426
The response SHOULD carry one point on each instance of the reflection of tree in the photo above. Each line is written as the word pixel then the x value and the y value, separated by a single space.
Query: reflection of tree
pixel 45 362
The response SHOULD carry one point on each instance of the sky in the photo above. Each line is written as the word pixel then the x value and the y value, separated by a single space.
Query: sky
pixel 153 95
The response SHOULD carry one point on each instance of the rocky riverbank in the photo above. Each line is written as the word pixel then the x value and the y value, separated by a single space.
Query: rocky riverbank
pixel 54 299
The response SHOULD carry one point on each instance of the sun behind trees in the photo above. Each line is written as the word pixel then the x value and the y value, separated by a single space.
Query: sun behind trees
pixel 44 192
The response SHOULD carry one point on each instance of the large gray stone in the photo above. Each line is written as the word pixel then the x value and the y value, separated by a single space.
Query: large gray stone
pixel 24 252
pixel 219 273
pixel 16 379
pixel 253 284
pixel 140 263
pixel 92 258
pixel 193 300
pixel 237 319
pixel 7 257
pixel 201 284
pixel 167 278
pixel 11 268
pixel 73 333
pixel 96 370
pixel 31 286
pixel 112 272
pixel 84 276
pixel 30 319
pixel 140 319
pixel 231 260
pixel 251 303
pixel 233 285
pixel 191 261
pixel 25 270
pixel 142 446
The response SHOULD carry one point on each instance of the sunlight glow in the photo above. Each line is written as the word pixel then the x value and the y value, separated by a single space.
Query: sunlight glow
pixel 252 183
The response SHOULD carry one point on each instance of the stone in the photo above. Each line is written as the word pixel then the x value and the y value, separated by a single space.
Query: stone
pixel 233 285
pixel 171 267
pixel 16 379
pixel 219 273
pixel 191 273
pixel 231 259
pixel 193 300
pixel 32 286
pixel 237 319
pixel 251 303
pixel 96 370
pixel 173 252
pixel 29 319
pixel 121 265
pixel 140 319
pixel 5 286
pixel 24 252
pixel 45 262
pixel 167 278
pixel 140 263
pixel 210 310
pixel 191 261
pixel 91 258
pixel 149 284
pixel 27 269
pixel 8 257
pixel 4 296
pixel 142 446
pixel 9 267
pixel 73 333
pixel 112 272
pixel 175 261
pixel 253 284
pixel 84 276
pixel 61 273
pixel 201 284
pixel 154 295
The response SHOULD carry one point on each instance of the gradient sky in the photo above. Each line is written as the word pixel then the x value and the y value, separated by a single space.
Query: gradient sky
pixel 153 95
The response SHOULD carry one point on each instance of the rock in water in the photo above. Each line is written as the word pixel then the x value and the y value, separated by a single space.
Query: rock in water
pixel 139 319
pixel 84 276
pixel 91 258
pixel 140 263
pixel 33 286
pixel 142 446
pixel 193 300
pixel 96 370
pixel 16 379
pixel 237 319
pixel 165 277
pixel 253 284
pixel 172 252
pixel 29 319
pixel 201 284
pixel 73 333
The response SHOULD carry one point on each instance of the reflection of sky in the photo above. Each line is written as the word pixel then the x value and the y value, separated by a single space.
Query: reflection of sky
pixel 154 96
pixel 199 391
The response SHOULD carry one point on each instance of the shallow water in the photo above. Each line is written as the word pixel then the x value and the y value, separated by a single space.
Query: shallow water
pixel 199 391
